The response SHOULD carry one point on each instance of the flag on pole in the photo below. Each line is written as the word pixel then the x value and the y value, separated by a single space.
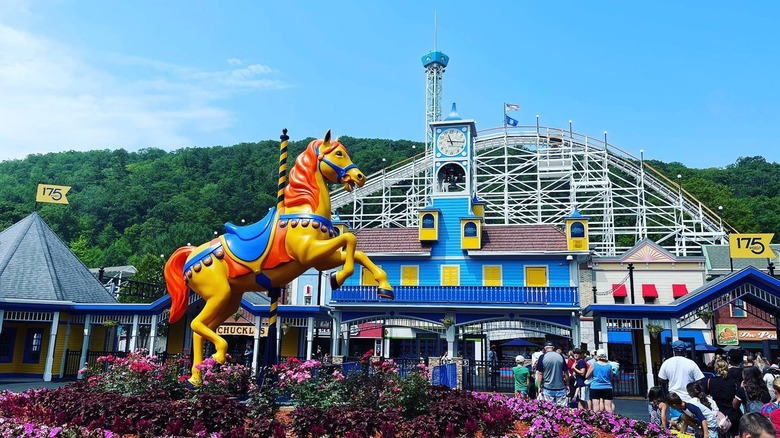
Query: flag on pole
pixel 52 194
pixel 511 107
pixel 510 121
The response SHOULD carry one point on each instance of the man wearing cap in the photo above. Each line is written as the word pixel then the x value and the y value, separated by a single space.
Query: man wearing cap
pixel 678 371
pixel 551 372
pixel 522 376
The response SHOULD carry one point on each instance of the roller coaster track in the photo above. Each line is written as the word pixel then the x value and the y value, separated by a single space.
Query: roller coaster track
pixel 536 176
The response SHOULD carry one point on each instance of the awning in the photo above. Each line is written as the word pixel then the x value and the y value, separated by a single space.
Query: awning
pixel 679 290
pixel 683 335
pixel 619 337
pixel 649 291
pixel 619 291
pixel 520 343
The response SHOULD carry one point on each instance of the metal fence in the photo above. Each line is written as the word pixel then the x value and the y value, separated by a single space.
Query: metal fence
pixel 478 375
pixel 73 360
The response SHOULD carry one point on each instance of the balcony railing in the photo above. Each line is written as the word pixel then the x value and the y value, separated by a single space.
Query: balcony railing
pixel 532 296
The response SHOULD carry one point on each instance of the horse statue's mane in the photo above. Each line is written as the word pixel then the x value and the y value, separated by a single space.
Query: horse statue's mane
pixel 302 188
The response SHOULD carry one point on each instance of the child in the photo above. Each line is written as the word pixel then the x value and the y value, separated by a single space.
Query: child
pixel 522 377
pixel 656 407
pixel 692 416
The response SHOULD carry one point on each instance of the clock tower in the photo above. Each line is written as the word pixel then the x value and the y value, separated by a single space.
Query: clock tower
pixel 453 155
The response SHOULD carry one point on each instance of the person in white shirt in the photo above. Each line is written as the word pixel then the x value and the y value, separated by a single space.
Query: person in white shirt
pixel 678 371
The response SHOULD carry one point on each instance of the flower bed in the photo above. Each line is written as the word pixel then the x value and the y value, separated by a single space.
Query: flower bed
pixel 372 402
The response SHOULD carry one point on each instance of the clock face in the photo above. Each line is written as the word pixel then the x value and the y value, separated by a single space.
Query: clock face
pixel 451 141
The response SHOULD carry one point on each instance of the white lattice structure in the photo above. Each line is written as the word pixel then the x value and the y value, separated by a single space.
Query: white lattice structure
pixel 530 175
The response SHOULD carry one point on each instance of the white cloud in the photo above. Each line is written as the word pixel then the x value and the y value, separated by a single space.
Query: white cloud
pixel 55 98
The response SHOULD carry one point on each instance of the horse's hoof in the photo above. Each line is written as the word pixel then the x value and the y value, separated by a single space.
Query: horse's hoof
pixel 334 283
pixel 385 293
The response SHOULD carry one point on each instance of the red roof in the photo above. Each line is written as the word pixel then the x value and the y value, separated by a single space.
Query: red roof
pixel 390 240
pixel 512 238
pixel 649 291
pixel 619 291
pixel 679 290
pixel 495 238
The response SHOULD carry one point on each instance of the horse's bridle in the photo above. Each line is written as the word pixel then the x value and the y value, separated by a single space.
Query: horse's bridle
pixel 341 172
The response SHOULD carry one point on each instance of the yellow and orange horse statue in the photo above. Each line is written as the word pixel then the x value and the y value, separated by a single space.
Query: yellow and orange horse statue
pixel 295 235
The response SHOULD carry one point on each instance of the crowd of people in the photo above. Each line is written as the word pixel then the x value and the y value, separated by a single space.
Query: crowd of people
pixel 740 398
pixel 577 379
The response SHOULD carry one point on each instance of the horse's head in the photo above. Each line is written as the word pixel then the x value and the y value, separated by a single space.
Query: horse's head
pixel 336 166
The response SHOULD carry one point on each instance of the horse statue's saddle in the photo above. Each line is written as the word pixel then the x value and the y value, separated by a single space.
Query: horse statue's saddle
pixel 248 243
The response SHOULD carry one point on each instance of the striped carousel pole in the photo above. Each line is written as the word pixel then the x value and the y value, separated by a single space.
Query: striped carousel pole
pixel 271 347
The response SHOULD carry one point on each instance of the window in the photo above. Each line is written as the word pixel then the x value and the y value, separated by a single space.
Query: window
pixel 450 275
pixel 738 309
pixel 367 278
pixel 33 346
pixel 307 292
pixel 536 276
pixel 620 300
pixel 7 339
pixel 491 276
pixel 410 275
pixel 428 221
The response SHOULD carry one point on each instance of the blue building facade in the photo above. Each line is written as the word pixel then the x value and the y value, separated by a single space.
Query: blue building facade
pixel 460 284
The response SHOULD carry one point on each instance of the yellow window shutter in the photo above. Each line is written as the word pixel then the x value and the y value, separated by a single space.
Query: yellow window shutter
pixel 367 278
pixel 450 275
pixel 491 275
pixel 409 276
pixel 536 276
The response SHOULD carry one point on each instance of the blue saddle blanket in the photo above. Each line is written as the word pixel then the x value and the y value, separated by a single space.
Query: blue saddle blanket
pixel 249 242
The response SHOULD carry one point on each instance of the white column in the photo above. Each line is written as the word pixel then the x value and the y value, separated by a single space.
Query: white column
pixel 52 345
pixel 675 336
pixel 85 342
pixel 309 337
pixel 335 333
pixel 65 349
pixel 134 333
pixel 576 336
pixel 648 353
pixel 153 335
pixel 2 315
pixel 256 347
pixel 603 335
pixel 450 336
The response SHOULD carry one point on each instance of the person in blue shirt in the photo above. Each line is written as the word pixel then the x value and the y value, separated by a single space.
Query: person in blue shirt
pixel 601 383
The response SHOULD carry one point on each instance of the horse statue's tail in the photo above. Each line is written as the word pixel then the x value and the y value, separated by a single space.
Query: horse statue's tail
pixel 174 279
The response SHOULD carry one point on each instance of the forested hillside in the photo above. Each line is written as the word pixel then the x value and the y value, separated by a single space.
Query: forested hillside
pixel 128 205
pixel 125 205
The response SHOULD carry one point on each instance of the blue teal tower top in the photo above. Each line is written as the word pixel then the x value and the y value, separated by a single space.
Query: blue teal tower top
pixel 435 58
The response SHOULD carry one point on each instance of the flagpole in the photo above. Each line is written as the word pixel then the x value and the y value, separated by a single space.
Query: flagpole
pixel 504 121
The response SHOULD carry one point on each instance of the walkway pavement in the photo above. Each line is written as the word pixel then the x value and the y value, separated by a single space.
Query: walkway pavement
pixel 20 385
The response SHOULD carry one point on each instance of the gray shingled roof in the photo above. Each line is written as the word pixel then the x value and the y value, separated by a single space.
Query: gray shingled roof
pixel 36 265
pixel 718 258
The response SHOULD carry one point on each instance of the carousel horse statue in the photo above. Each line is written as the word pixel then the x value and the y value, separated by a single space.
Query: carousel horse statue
pixel 294 236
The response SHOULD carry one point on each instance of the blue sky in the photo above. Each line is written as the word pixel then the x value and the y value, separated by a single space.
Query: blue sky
pixel 695 82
